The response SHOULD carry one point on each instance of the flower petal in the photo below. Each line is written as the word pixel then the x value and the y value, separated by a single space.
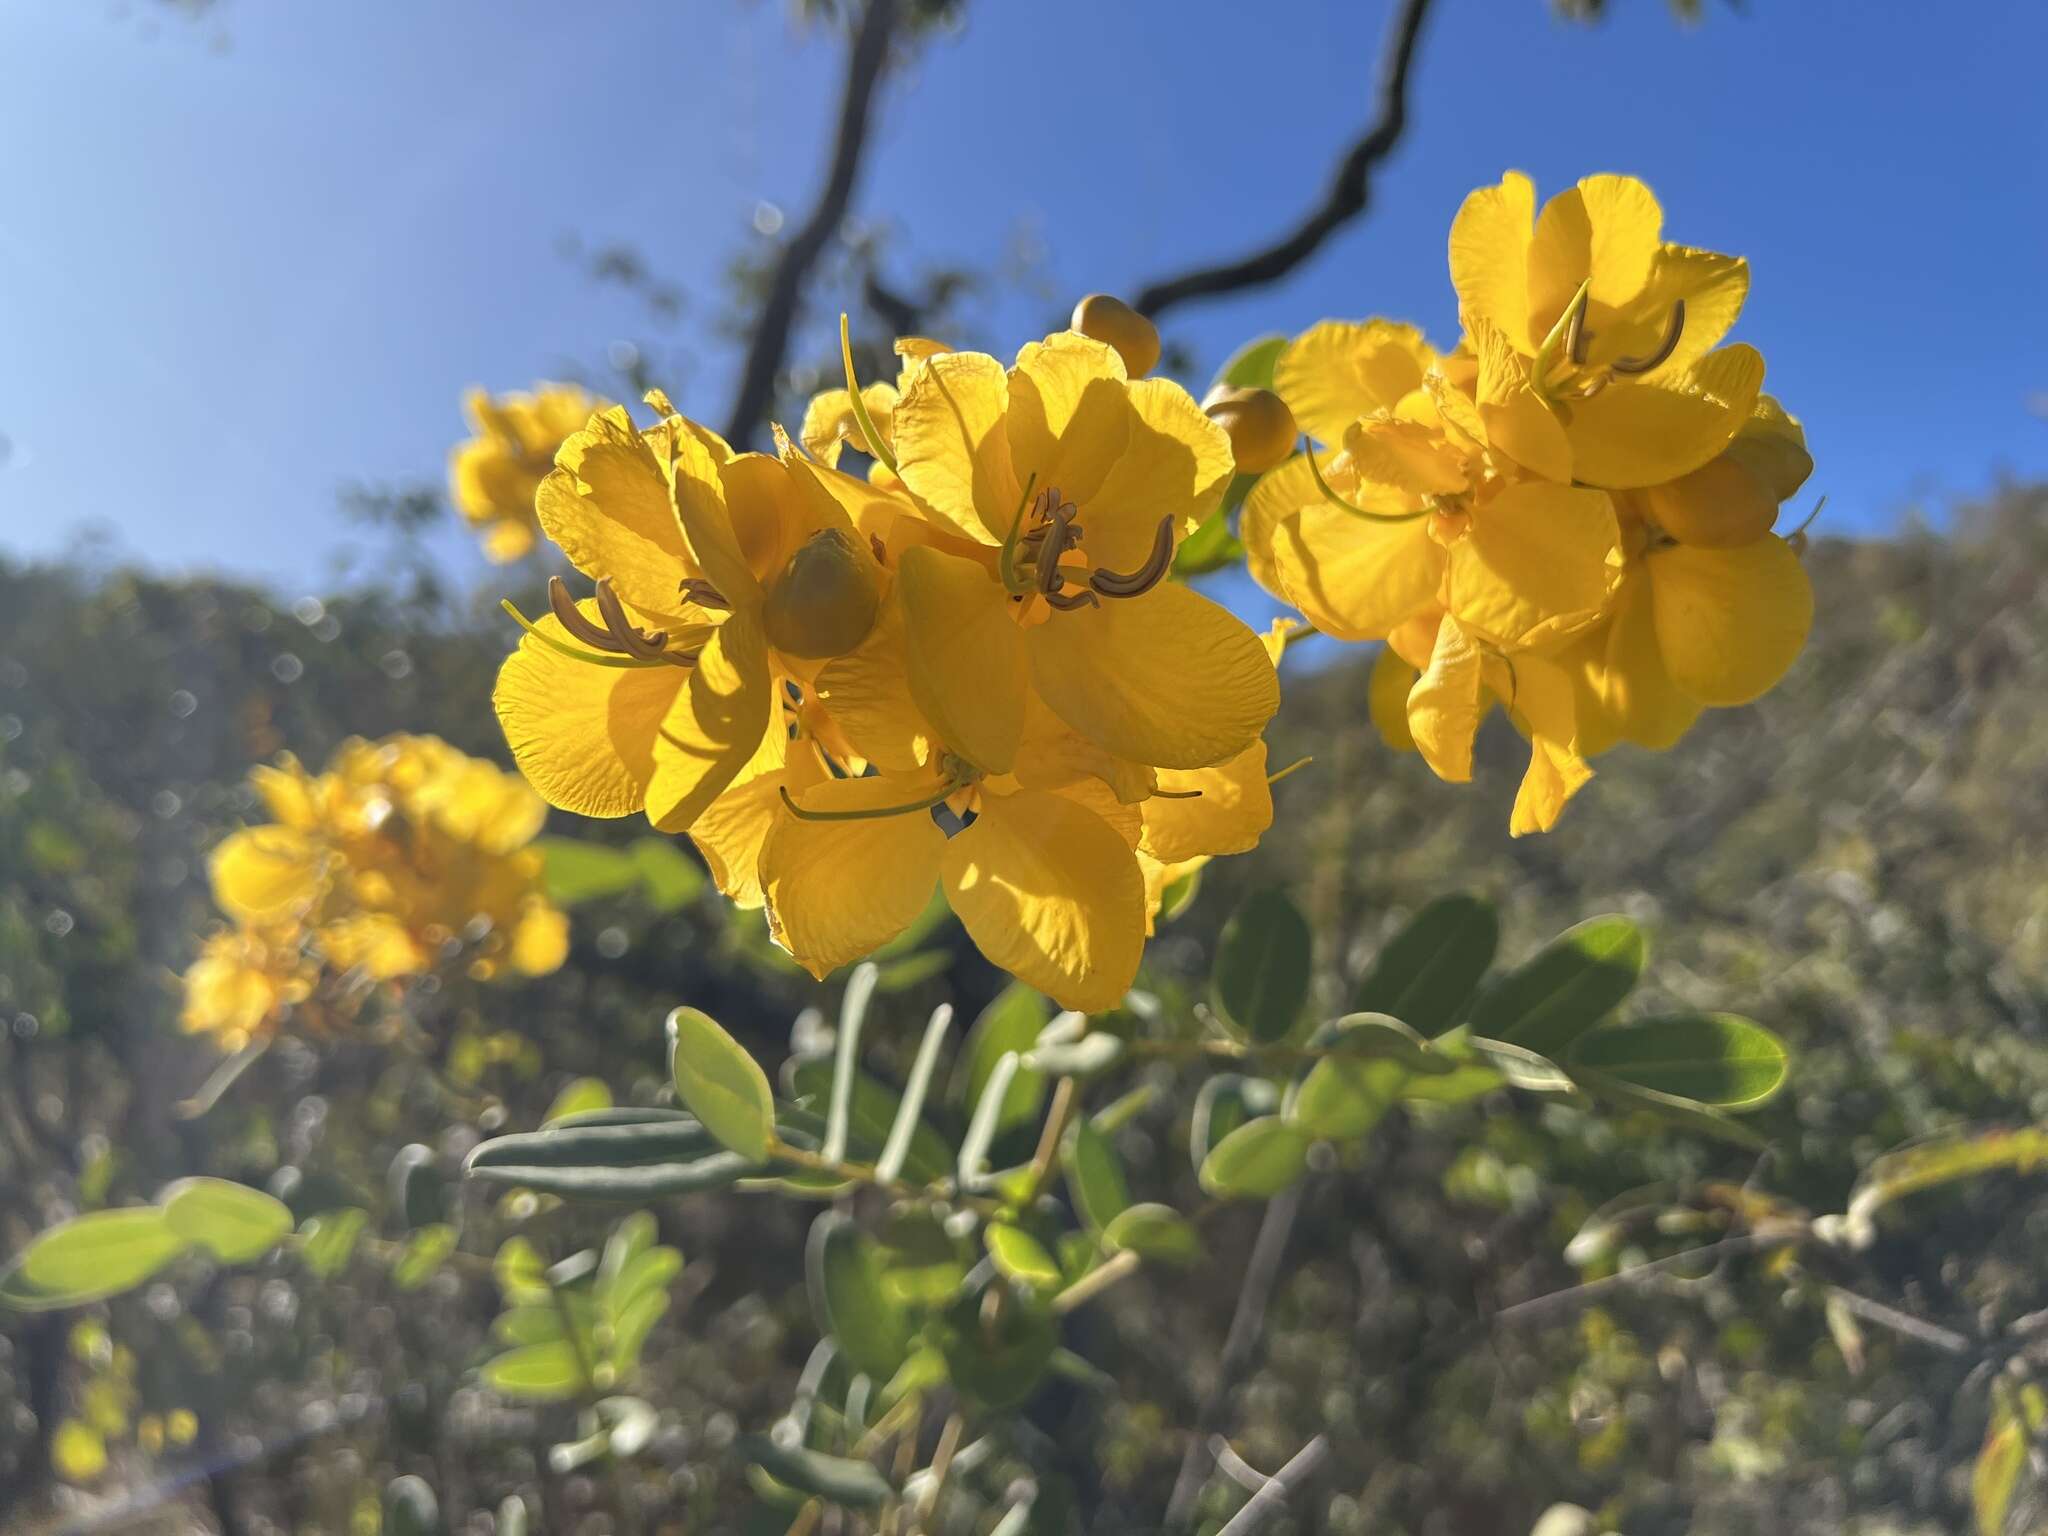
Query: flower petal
pixel 1386 698
pixel 1554 775
pixel 607 505
pixel 1355 577
pixel 1230 810
pixel 1490 240
pixel 1626 227
pixel 1516 421
pixel 829 422
pixel 839 890
pixel 1730 622
pixel 1050 893
pixel 867 693
pixel 582 733
pixel 1446 703
pixel 716 726
pixel 967 666
pixel 1175 463
pixel 1634 687
pixel 953 448
pixel 1339 370
pixel 734 828
pixel 1645 431
pixel 1536 556
pixel 267 874
pixel 1069 416
pixel 1168 679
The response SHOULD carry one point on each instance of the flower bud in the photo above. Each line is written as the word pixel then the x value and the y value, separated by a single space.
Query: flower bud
pixel 824 602
pixel 1114 323
pixel 1261 428
pixel 1720 505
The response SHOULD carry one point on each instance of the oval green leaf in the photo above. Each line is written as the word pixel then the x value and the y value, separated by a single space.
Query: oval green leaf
pixel 836 1479
pixel 1344 1096
pixel 1095 1175
pixel 234 1223
pixel 721 1083
pixel 1256 1161
pixel 89 1258
pixel 1430 969
pixel 1020 1256
pixel 1158 1234
pixel 536 1372
pixel 1717 1059
pixel 425 1251
pixel 1262 967
pixel 1567 988
pixel 1011 1023
pixel 844 1273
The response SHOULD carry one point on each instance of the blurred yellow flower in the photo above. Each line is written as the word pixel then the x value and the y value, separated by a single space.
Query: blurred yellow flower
pixel 492 476
pixel 403 854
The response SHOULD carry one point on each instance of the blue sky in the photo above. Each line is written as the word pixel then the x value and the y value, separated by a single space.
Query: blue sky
pixel 234 279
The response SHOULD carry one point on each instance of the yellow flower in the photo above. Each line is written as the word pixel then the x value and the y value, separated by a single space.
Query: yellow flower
pixel 241 984
pixel 1057 491
pixel 492 477
pixel 1613 328
pixel 402 851
pixel 720 578
pixel 831 424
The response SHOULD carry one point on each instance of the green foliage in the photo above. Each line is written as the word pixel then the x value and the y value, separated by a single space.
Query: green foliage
pixel 1262 967
pixel 1427 972
pixel 1573 983
pixel 1714 1059
pixel 722 1085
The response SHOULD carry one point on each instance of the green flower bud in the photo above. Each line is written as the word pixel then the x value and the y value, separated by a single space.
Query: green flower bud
pixel 824 602
pixel 1262 430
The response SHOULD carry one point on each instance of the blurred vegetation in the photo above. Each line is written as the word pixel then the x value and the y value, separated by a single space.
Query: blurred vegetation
pixel 1854 861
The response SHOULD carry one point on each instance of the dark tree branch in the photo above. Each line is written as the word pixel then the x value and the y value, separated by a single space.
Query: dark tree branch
pixel 865 58
pixel 1350 189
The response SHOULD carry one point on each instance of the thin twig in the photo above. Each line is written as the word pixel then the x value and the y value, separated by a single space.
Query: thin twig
pixel 1350 189
pixel 1254 1297
pixel 1266 1503
pixel 1904 1324
pixel 865 59
pixel 1574 1297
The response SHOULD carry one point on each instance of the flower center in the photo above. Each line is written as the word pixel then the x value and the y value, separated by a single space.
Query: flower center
pixel 1036 560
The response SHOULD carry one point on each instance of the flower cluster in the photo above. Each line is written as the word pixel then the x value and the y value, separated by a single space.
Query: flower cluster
pixel 966 672
pixel 1570 515
pixel 403 854
pixel 492 477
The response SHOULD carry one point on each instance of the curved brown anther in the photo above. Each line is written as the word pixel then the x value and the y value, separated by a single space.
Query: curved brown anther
pixel 641 644
pixel 697 590
pixel 1080 597
pixel 571 618
pixel 1665 348
pixel 1145 577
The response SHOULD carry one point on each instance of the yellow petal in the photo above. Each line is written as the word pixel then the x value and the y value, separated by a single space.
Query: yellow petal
pixel 1711 286
pixel 1536 556
pixel 716 725
pixel 867 693
pixel 1554 775
pixel 1355 578
pixel 1069 417
pixel 734 828
pixel 1490 240
pixel 952 446
pixel 1386 696
pixel 286 792
pixel 607 505
pixel 1772 446
pixel 829 422
pixel 839 890
pixel 1175 463
pixel 1445 706
pixel 1515 419
pixel 967 664
pixel 1634 686
pixel 1168 679
pixel 1626 227
pixel 1054 755
pixel 1337 371
pixel 1408 455
pixel 1229 811
pixel 1645 431
pixel 1050 893
pixel 1100 801
pixel 267 874
pixel 716 548
pixel 583 734
pixel 1730 622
